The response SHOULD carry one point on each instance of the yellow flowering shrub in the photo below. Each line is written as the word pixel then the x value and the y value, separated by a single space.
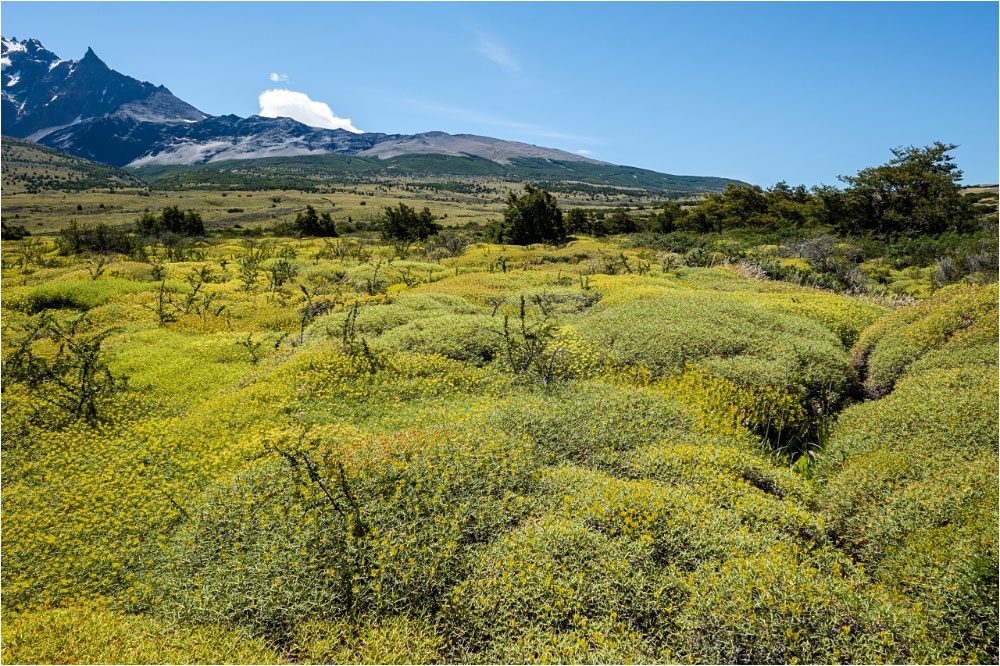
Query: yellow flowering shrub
pixel 88 635
pixel 964 312
pixel 910 480
pixel 344 460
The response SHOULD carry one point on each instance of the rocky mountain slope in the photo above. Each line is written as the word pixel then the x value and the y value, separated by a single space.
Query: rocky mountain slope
pixel 86 109
pixel 42 94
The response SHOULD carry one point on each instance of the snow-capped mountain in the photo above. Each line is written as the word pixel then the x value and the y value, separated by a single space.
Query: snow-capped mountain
pixel 41 93
pixel 126 137
pixel 84 108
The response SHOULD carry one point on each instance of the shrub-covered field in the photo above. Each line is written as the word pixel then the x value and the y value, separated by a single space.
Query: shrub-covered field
pixel 277 449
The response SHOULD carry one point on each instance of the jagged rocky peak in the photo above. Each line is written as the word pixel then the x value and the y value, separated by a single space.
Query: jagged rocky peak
pixel 85 108
pixel 42 94
pixel 90 58
pixel 30 47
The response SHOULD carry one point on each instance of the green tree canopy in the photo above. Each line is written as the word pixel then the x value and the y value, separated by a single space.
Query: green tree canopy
pixel 665 220
pixel 171 220
pixel 310 223
pixel 533 217
pixel 577 221
pixel 620 222
pixel 405 223
pixel 916 192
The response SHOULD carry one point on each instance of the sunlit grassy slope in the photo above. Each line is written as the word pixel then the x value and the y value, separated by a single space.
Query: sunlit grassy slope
pixel 315 170
pixel 354 463
pixel 30 167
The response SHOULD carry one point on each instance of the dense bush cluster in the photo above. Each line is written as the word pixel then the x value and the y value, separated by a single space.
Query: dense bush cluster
pixel 327 452
pixel 405 223
pixel 911 486
pixel 171 220
pixel 311 223
pixel 533 217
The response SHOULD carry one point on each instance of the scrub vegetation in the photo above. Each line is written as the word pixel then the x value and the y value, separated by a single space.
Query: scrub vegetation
pixel 380 446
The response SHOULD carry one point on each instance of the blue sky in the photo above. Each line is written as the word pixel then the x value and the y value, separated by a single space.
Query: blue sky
pixel 759 92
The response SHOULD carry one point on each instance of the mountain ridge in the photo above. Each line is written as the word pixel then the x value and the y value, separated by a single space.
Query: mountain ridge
pixel 42 93
pixel 138 124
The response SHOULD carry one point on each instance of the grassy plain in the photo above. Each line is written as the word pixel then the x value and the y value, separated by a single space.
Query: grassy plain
pixel 342 451
pixel 47 212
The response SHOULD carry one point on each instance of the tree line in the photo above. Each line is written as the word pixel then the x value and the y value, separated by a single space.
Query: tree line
pixel 916 193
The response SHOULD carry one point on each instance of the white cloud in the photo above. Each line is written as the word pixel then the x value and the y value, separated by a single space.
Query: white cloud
pixel 278 78
pixel 497 53
pixel 583 151
pixel 279 103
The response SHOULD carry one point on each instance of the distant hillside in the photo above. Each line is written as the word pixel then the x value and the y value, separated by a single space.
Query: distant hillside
pixel 29 167
pixel 312 171
pixel 84 108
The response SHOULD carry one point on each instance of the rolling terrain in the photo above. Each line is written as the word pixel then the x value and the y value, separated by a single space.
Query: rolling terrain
pixel 344 451
pixel 312 171
pixel 280 394
pixel 33 168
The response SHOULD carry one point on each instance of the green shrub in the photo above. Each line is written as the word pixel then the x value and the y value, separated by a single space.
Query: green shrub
pixel 367 526
pixel 472 338
pixel 963 313
pixel 171 220
pixel 590 421
pixel 378 319
pixel 85 635
pixel 309 223
pixel 394 640
pixel 533 217
pixel 789 605
pixel 405 223
pixel 751 346
pixel 84 295
pixel 76 239
pixel 13 232
pixel 847 317
pixel 910 480
pixel 555 579
pixel 75 379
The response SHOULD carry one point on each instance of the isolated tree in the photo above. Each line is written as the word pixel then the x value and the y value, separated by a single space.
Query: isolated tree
pixel 916 192
pixel 310 223
pixel 187 223
pixel 405 223
pixel 533 217
pixel 307 219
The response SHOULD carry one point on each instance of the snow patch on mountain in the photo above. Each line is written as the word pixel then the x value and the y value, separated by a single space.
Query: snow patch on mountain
pixel 217 151
pixel 49 130
pixel 12 45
